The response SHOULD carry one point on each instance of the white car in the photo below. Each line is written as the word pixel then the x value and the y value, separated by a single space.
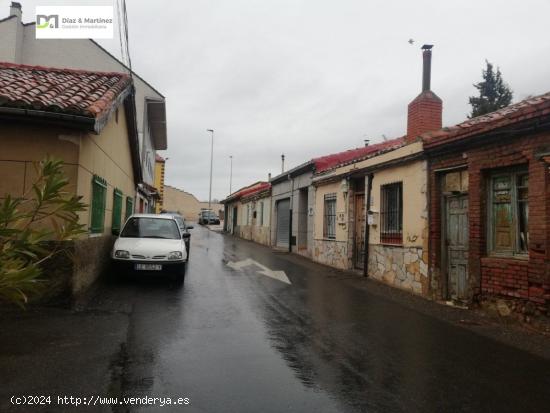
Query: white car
pixel 151 243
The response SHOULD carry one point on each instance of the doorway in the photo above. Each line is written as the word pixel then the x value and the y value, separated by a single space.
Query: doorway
pixel 235 216
pixel 302 219
pixel 283 223
pixel 456 246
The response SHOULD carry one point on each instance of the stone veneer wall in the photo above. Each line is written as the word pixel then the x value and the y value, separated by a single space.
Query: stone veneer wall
pixel 401 267
pixel 331 252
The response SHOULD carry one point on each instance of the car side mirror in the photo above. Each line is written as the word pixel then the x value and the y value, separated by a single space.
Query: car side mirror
pixel 186 235
pixel 115 232
pixel 190 227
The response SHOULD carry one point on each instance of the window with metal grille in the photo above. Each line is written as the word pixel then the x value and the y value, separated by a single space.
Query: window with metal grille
pixel 117 210
pixel 99 198
pixel 509 212
pixel 391 213
pixel 129 207
pixel 329 221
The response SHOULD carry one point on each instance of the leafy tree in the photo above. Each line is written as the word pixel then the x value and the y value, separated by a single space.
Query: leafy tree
pixel 494 94
pixel 45 213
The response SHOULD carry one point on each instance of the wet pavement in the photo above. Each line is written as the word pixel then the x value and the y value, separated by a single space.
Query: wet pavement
pixel 235 338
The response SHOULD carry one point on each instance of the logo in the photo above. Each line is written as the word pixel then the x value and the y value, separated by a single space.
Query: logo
pixel 43 21
pixel 74 22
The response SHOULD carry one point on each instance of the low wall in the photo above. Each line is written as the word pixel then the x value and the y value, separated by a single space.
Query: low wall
pixel 73 269
pixel 401 267
pixel 331 252
pixel 91 259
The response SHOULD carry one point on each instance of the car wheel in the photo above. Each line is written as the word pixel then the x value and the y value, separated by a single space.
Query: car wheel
pixel 179 275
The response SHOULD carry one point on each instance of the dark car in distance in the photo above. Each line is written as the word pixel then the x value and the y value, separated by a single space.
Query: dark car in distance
pixel 208 217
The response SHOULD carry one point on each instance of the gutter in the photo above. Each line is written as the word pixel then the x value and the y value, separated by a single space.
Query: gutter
pixel 18 114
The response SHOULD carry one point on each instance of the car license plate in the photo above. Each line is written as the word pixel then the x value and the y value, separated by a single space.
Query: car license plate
pixel 148 267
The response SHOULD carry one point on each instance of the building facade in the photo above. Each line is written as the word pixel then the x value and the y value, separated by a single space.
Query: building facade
pixel 490 205
pixel 186 204
pixel 19 45
pixel 248 213
pixel 292 210
pixel 82 118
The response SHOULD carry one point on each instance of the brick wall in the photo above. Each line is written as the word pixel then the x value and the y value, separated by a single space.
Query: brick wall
pixel 527 278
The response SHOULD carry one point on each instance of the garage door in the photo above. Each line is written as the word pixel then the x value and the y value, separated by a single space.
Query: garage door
pixel 283 222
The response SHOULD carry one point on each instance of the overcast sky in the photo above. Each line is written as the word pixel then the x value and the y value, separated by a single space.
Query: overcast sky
pixel 312 77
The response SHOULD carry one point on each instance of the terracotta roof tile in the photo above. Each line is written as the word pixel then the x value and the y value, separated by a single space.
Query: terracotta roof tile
pixel 248 191
pixel 327 162
pixel 526 109
pixel 78 92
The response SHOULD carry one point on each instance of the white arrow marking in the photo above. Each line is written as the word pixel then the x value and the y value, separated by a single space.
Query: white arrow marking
pixel 277 275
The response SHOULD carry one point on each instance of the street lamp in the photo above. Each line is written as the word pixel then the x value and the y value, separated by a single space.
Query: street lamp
pixel 211 162
pixel 230 173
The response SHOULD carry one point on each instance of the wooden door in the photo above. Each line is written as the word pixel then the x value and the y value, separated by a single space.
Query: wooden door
pixel 457 247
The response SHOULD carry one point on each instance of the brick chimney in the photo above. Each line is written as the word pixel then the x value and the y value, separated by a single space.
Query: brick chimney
pixel 426 110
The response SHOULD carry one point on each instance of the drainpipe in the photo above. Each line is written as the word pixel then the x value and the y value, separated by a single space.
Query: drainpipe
pixel 291 211
pixel 367 229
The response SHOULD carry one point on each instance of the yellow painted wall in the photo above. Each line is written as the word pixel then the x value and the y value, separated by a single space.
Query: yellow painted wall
pixel 22 146
pixel 159 184
pixel 177 200
pixel 414 178
pixel 84 154
pixel 107 155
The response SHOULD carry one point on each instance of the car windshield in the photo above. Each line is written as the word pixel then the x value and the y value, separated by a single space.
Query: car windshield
pixel 141 227
pixel 180 221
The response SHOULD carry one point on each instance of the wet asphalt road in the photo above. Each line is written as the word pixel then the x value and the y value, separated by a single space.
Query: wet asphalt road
pixel 238 341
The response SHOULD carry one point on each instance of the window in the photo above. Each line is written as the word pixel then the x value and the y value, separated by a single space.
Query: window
pixel 129 207
pixel 99 192
pixel 509 213
pixel 329 219
pixel 391 213
pixel 151 228
pixel 117 210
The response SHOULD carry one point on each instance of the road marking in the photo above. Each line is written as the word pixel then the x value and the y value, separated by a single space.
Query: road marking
pixel 277 275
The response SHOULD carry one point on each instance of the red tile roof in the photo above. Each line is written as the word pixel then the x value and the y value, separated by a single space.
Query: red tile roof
pixel 248 191
pixel 526 109
pixel 75 92
pixel 324 163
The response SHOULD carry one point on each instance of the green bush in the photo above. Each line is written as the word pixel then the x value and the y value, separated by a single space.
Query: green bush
pixel 46 213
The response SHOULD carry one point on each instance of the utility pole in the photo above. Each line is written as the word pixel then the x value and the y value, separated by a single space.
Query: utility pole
pixel 230 172
pixel 211 162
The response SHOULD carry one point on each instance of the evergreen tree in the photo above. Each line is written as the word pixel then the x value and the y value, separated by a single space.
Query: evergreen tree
pixel 494 94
